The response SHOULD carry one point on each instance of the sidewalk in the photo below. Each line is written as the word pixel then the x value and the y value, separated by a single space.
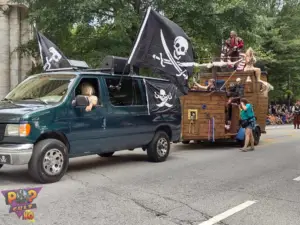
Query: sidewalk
pixel 268 127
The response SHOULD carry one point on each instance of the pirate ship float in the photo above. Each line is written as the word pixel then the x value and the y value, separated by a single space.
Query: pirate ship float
pixel 204 113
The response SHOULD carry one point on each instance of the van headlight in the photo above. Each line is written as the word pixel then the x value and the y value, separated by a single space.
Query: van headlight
pixel 19 130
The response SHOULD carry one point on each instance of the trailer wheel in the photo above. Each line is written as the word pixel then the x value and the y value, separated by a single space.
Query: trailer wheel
pixel 185 142
pixel 241 143
pixel 256 135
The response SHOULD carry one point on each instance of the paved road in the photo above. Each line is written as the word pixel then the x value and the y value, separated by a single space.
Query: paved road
pixel 197 183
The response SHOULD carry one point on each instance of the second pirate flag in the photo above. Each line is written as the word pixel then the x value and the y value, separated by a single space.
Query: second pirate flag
pixel 164 47
pixel 52 57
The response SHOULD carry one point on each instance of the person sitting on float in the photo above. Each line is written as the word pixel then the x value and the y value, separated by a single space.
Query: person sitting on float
pixel 210 87
pixel 250 60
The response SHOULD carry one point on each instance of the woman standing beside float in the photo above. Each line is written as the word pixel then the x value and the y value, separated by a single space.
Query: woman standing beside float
pixel 247 122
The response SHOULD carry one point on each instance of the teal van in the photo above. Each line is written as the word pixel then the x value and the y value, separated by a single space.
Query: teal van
pixel 44 122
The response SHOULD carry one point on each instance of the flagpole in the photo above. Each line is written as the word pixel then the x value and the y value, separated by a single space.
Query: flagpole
pixel 139 35
pixel 38 38
pixel 144 80
pixel 136 44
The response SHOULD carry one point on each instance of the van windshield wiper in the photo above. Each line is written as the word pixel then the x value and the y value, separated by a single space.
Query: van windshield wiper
pixel 36 99
pixel 7 100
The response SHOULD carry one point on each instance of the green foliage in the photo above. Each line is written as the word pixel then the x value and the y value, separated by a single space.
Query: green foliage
pixel 89 30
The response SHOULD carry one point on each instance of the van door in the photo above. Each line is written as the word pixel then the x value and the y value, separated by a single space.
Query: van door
pixel 127 113
pixel 87 129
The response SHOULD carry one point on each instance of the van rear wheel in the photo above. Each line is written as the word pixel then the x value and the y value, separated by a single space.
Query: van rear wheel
pixel 49 161
pixel 1 166
pixel 159 148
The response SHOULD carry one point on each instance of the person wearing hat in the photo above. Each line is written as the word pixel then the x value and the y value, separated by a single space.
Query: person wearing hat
pixel 239 88
pixel 236 92
pixel 234 44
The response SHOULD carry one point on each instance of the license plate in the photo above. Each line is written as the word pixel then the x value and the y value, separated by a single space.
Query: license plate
pixel 5 159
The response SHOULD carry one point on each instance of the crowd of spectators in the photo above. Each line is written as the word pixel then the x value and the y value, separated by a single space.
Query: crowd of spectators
pixel 279 114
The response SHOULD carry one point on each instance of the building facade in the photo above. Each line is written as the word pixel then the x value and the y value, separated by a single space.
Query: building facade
pixel 14 31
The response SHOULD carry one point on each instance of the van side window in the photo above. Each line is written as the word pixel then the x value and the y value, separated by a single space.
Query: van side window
pixel 91 82
pixel 129 94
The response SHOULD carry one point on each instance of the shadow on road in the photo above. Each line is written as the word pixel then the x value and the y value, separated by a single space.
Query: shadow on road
pixel 20 175
pixel 206 146
pixel 16 176
pixel 90 162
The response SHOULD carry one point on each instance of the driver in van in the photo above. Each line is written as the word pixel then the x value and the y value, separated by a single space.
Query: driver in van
pixel 88 90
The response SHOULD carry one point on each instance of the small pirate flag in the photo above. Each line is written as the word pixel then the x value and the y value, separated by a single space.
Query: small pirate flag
pixel 52 57
pixel 165 48
pixel 162 97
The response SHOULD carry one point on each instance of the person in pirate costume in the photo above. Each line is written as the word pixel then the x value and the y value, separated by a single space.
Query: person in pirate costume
pixel 250 60
pixel 296 114
pixel 234 44
pixel 235 93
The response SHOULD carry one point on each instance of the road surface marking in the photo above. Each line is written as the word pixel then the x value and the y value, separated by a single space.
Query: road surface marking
pixel 297 179
pixel 228 213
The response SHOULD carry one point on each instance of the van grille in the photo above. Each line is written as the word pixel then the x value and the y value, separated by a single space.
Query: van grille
pixel 2 130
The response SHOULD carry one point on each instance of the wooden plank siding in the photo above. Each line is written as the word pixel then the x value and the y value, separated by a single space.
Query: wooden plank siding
pixel 212 105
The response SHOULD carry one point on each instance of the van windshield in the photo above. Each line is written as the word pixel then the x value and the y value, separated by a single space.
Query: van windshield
pixel 42 88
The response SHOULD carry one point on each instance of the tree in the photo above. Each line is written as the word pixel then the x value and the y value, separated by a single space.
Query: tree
pixel 90 30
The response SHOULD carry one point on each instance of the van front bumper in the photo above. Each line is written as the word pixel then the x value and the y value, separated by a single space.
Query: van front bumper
pixel 15 154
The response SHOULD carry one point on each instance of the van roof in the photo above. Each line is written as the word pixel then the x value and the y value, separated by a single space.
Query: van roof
pixel 93 72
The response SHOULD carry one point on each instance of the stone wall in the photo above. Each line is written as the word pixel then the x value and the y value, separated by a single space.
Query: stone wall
pixel 14 30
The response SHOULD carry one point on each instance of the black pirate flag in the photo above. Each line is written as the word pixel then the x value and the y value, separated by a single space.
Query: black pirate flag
pixel 165 48
pixel 162 96
pixel 52 57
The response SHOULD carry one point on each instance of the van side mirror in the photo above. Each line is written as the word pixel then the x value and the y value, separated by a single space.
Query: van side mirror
pixel 81 100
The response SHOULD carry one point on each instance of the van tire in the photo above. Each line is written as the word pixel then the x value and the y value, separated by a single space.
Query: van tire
pixel 1 165
pixel 185 142
pixel 36 167
pixel 108 154
pixel 159 148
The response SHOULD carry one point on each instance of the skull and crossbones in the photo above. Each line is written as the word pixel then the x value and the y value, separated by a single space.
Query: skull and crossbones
pixel 164 98
pixel 56 56
pixel 180 47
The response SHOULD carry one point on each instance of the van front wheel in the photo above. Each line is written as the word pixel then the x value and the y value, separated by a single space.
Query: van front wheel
pixel 159 148
pixel 49 161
